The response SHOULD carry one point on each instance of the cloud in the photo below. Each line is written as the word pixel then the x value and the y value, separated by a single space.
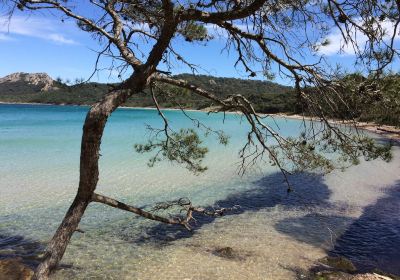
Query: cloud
pixel 36 27
pixel 58 38
pixel 337 45
pixel 219 32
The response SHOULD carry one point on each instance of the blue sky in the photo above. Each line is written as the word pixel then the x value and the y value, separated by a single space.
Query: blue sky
pixel 43 43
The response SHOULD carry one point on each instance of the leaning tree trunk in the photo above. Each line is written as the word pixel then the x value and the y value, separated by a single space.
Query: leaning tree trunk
pixel 91 139
pixel 89 172
pixel 55 250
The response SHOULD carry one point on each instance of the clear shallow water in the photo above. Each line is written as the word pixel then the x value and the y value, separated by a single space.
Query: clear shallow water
pixel 273 233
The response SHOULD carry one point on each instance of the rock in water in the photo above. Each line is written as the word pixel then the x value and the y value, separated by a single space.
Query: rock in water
pixel 225 252
pixel 339 263
pixel 13 269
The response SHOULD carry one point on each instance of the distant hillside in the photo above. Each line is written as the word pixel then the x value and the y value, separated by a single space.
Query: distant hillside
pixel 17 83
pixel 40 88
pixel 267 97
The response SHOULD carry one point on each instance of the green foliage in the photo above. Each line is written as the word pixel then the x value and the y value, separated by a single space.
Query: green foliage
pixel 364 99
pixel 301 155
pixel 385 109
pixel 223 138
pixel 183 147
pixel 192 31
pixel 333 148
pixel 85 27
pixel 266 96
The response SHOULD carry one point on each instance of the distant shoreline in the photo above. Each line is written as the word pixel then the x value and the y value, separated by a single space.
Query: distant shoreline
pixel 38 104
pixel 386 131
pixel 121 107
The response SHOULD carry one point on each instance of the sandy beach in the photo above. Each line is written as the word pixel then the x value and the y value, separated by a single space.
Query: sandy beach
pixel 387 131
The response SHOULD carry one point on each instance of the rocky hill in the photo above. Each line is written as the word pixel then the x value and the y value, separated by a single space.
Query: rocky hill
pixel 27 83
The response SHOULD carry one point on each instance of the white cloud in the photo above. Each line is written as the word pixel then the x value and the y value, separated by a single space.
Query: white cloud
pixel 219 32
pixel 58 38
pixel 46 29
pixel 338 46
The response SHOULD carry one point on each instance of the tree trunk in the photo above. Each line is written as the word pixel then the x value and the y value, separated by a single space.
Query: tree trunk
pixel 90 149
pixel 93 129
pixel 56 248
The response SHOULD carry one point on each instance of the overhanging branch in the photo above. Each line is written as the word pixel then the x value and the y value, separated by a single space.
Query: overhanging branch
pixel 120 205
pixel 185 204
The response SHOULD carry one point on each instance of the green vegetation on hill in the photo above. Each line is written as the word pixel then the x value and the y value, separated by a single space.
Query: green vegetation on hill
pixel 22 92
pixel 379 104
pixel 267 97
pixel 386 108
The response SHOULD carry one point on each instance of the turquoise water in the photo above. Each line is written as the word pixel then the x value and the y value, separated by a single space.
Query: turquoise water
pixel 272 232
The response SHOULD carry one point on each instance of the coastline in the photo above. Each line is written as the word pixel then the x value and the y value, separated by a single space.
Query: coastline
pixel 386 131
pixel 40 104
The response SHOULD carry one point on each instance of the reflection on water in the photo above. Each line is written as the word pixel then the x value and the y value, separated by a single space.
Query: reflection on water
pixel 354 213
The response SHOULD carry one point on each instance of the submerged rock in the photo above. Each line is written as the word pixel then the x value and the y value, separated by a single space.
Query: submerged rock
pixel 225 252
pixel 340 268
pixel 371 276
pixel 339 275
pixel 339 263
pixel 13 269
pixel 384 273
pixel 331 275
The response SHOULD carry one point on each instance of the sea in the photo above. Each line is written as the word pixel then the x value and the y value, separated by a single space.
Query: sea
pixel 270 233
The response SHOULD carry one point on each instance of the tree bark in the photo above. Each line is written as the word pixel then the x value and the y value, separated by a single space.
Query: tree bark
pixel 93 129
pixel 56 248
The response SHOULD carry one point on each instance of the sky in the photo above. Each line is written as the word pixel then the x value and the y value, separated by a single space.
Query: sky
pixel 45 43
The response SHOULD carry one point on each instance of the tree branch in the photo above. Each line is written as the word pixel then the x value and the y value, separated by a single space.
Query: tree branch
pixel 236 13
pixel 185 204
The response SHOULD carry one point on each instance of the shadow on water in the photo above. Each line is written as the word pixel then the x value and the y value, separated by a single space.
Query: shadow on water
pixel 25 250
pixel 268 192
pixel 265 193
pixel 18 247
pixel 314 228
pixel 373 240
